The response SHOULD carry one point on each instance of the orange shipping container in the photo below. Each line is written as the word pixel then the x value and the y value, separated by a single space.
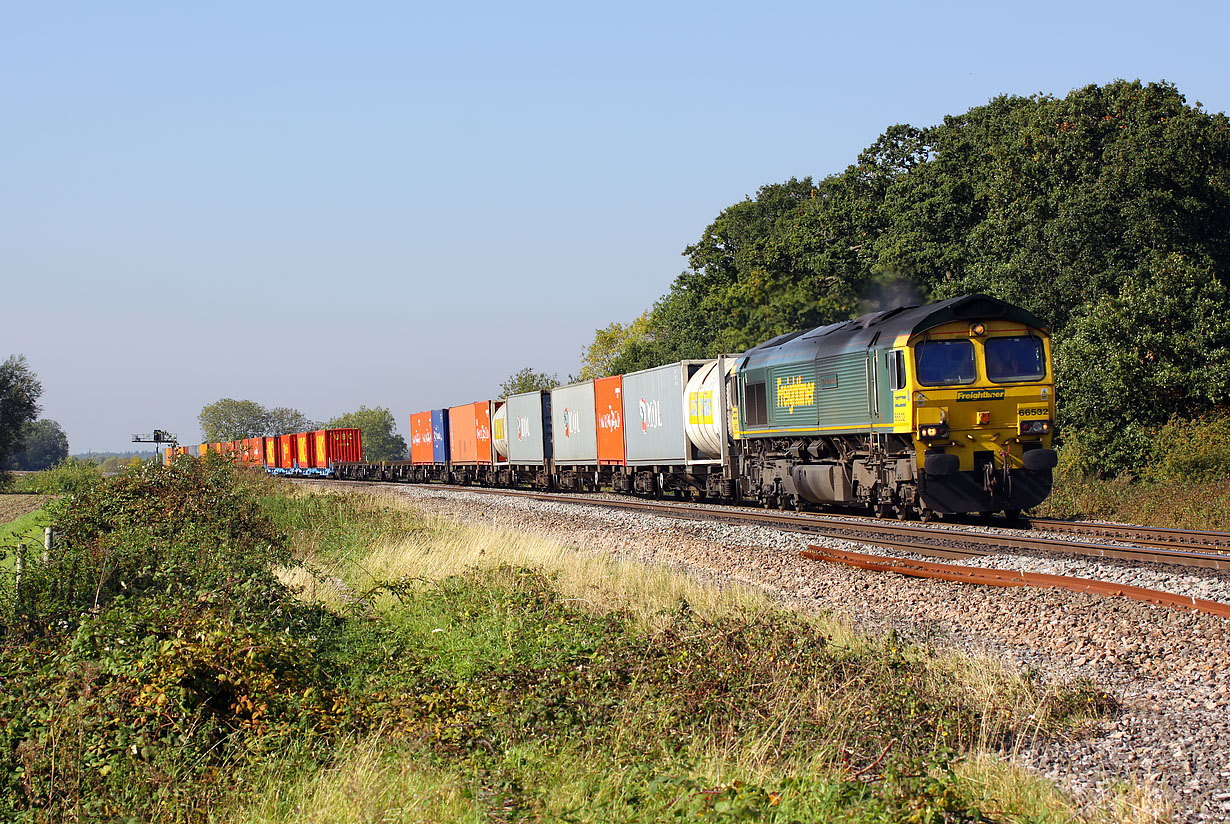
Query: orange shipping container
pixel 304 450
pixel 270 445
pixel 420 438
pixel 609 406
pixel 469 433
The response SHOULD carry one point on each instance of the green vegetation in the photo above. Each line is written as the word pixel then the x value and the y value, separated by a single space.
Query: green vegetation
pixel 42 444
pixel 527 380
pixel 68 476
pixel 1106 213
pixel 204 642
pixel 228 420
pixel 19 393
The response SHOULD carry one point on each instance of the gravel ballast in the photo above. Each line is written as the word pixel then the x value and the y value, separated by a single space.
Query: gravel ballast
pixel 1170 669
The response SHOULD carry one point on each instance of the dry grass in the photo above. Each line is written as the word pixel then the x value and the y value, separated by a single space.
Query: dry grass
pixel 368 783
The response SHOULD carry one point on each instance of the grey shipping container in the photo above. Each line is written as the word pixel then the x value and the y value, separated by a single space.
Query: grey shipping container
pixel 574 424
pixel 653 416
pixel 525 414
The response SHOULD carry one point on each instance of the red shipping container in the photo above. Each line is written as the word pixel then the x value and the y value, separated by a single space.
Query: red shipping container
pixel 609 408
pixel 337 446
pixel 270 447
pixel 420 439
pixel 469 433
pixel 286 451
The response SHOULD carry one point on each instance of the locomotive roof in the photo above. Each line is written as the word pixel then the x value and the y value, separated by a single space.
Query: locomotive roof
pixel 884 327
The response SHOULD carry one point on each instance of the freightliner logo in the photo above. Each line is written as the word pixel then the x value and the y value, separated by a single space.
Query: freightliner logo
pixel 980 395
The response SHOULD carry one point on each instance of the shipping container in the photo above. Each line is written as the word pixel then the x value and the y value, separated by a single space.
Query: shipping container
pixel 271 451
pixel 574 425
pixel 656 415
pixel 336 446
pixel 521 429
pixel 166 459
pixel 609 406
pixel 439 436
pixel 286 451
pixel 421 452
pixel 470 433
pixel 305 450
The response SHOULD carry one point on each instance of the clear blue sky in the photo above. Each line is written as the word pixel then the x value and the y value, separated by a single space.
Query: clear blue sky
pixel 400 204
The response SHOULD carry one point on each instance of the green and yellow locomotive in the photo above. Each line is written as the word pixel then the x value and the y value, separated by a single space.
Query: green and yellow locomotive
pixel 941 408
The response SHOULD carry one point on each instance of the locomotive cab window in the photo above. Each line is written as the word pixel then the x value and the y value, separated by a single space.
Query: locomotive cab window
pixel 944 362
pixel 895 360
pixel 1015 359
pixel 756 411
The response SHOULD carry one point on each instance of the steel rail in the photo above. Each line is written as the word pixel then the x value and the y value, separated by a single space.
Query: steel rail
pixel 1137 534
pixel 1011 578
pixel 932 540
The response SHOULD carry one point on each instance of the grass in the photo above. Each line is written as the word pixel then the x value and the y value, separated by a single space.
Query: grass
pixel 158 668
pixel 571 686
pixel 1201 505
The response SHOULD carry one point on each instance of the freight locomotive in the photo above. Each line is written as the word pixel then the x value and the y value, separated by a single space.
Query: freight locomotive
pixel 914 411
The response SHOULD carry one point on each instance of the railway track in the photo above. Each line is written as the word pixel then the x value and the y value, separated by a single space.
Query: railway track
pixel 1141 544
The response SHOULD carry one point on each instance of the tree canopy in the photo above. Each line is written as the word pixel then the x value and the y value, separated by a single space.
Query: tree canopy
pixel 527 380
pixel 43 444
pixel 228 419
pixel 380 439
pixel 1106 213
pixel 19 393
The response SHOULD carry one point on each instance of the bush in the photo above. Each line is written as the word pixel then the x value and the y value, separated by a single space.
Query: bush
pixel 1191 450
pixel 68 477
pixel 158 640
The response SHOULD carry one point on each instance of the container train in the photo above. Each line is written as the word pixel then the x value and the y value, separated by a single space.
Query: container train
pixel 915 411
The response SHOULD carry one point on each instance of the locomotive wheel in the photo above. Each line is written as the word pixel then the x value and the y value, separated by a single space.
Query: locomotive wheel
pixel 926 515
pixel 878 509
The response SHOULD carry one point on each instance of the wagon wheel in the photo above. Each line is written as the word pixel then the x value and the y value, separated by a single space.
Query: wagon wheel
pixel 926 515
pixel 877 509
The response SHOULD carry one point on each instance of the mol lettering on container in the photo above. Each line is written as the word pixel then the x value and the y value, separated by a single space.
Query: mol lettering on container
pixel 651 414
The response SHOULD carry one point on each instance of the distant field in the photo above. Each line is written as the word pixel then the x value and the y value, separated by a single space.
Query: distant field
pixel 13 507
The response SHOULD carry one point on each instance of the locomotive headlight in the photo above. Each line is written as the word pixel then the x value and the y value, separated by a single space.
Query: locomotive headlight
pixel 978 330
pixel 1035 427
pixel 933 430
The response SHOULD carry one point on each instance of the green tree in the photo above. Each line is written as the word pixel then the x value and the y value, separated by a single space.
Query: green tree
pixel 43 445
pixel 527 380
pixel 231 420
pixel 1158 350
pixel 19 393
pixel 282 420
pixel 610 343
pixel 380 439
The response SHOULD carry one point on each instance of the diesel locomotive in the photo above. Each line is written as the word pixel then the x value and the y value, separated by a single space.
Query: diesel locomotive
pixel 942 408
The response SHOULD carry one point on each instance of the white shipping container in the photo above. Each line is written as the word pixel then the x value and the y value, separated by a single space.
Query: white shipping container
pixel 523 428
pixel 574 424
pixel 655 412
